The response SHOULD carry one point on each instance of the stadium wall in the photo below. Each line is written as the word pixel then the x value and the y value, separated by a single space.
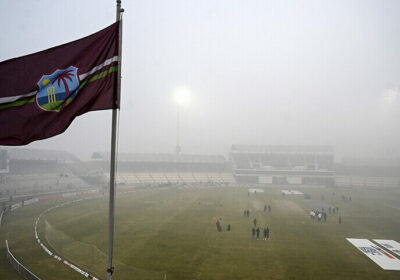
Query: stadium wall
pixel 285 178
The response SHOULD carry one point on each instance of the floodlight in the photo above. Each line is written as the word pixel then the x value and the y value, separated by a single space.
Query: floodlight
pixel 182 96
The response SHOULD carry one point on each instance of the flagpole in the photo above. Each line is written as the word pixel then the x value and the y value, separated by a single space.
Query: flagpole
pixel 110 268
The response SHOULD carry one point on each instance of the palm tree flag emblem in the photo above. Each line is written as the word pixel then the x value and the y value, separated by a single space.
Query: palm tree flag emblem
pixel 57 90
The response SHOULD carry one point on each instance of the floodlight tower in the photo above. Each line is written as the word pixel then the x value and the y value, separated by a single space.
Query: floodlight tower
pixel 182 98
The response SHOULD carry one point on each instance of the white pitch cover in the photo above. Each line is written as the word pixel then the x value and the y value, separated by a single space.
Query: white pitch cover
pixel 391 245
pixel 256 190
pixel 377 254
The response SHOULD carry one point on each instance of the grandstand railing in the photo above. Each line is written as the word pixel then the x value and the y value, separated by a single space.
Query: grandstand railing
pixel 22 270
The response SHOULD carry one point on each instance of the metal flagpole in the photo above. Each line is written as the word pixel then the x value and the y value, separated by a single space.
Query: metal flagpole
pixel 110 268
pixel 178 147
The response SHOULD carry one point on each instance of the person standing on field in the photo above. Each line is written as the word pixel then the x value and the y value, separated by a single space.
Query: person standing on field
pixel 265 234
pixel 255 222
pixel 258 233
pixel 253 233
pixel 218 226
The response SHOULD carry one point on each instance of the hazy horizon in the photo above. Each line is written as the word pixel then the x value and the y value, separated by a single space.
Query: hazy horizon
pixel 258 72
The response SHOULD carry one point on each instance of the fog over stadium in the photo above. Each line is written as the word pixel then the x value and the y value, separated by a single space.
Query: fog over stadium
pixel 254 139
pixel 258 72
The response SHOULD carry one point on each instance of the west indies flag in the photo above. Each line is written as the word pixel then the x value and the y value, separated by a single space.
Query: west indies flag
pixel 42 93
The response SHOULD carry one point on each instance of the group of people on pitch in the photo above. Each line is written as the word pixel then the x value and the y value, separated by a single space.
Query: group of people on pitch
pixel 256 231
pixel 219 227
pixel 315 214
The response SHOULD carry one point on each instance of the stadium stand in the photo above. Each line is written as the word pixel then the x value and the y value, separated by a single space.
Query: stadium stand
pixel 166 168
pixel 33 171
pixel 173 178
pixel 29 172
pixel 268 165
pixel 286 165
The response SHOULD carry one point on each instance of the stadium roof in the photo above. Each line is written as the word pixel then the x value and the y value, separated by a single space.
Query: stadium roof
pixel 138 157
pixel 35 154
pixel 281 149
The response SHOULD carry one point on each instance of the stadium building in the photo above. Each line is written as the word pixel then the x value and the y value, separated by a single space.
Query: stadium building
pixel 32 171
pixel 293 165
pixel 138 168
pixel 26 161
pixel 28 172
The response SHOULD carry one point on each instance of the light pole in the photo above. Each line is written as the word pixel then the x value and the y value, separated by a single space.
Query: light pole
pixel 181 97
pixel 178 147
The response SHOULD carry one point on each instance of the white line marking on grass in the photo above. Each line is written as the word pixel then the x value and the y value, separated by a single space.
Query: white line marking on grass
pixel 72 266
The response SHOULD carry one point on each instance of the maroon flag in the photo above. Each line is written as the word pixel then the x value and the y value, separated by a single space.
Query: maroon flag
pixel 42 93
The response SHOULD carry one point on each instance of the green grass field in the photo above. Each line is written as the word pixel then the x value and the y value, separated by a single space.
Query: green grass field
pixel 172 233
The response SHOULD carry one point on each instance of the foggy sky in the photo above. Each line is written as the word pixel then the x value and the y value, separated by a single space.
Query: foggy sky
pixel 259 72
